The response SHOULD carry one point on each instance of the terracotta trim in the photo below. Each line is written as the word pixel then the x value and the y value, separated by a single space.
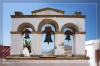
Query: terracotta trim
pixel 80 33
pixel 22 26
pixel 40 16
pixel 36 32
pixel 40 57
pixel 75 32
pixel 59 32
pixel 15 32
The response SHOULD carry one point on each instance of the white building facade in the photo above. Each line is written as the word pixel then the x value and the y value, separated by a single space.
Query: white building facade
pixel 92 46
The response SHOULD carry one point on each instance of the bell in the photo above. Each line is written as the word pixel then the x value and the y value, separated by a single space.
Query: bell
pixel 68 38
pixel 48 32
pixel 48 39
pixel 68 33
pixel 26 32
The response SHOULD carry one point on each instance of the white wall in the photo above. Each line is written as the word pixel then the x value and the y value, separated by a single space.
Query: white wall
pixel 36 44
pixel 80 22
pixel 59 38
pixel 91 54
pixel 79 44
pixel 91 46
pixel 16 44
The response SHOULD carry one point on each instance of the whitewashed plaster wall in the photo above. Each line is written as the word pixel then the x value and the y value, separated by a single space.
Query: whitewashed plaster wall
pixel 59 38
pixel 79 46
pixel 36 44
pixel 91 46
pixel 80 22
pixel 16 44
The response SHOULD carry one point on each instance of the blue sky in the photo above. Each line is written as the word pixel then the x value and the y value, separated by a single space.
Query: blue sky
pixel 87 9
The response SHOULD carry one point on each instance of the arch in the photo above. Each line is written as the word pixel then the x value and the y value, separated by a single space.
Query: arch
pixel 73 27
pixel 25 25
pixel 48 21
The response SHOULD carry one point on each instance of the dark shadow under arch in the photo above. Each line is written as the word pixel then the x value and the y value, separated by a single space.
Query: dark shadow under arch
pixel 48 21
pixel 73 27
pixel 25 25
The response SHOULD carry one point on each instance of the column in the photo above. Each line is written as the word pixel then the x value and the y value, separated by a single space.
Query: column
pixel 59 39
pixel 79 47
pixel 36 44
pixel 16 44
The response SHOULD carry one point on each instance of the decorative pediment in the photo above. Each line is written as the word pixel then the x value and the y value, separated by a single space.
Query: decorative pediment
pixel 48 11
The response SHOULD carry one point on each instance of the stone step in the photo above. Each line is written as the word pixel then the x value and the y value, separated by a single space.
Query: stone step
pixel 46 62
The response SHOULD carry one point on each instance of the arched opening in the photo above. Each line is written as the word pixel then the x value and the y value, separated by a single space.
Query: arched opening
pixel 23 26
pixel 73 27
pixel 48 30
pixel 68 41
pixel 48 21
pixel 48 40
pixel 26 30
pixel 69 30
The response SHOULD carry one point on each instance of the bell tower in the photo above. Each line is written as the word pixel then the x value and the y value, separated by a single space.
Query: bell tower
pixel 48 26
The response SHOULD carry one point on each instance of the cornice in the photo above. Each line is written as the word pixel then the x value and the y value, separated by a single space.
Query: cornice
pixel 40 16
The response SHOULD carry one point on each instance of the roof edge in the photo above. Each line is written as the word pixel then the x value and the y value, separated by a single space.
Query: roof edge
pixel 39 16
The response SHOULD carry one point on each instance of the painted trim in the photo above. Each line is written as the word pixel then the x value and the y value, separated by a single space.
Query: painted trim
pixel 41 16
pixel 22 26
pixel 72 26
pixel 16 32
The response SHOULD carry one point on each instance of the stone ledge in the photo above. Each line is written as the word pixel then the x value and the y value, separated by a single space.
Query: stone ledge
pixel 37 57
